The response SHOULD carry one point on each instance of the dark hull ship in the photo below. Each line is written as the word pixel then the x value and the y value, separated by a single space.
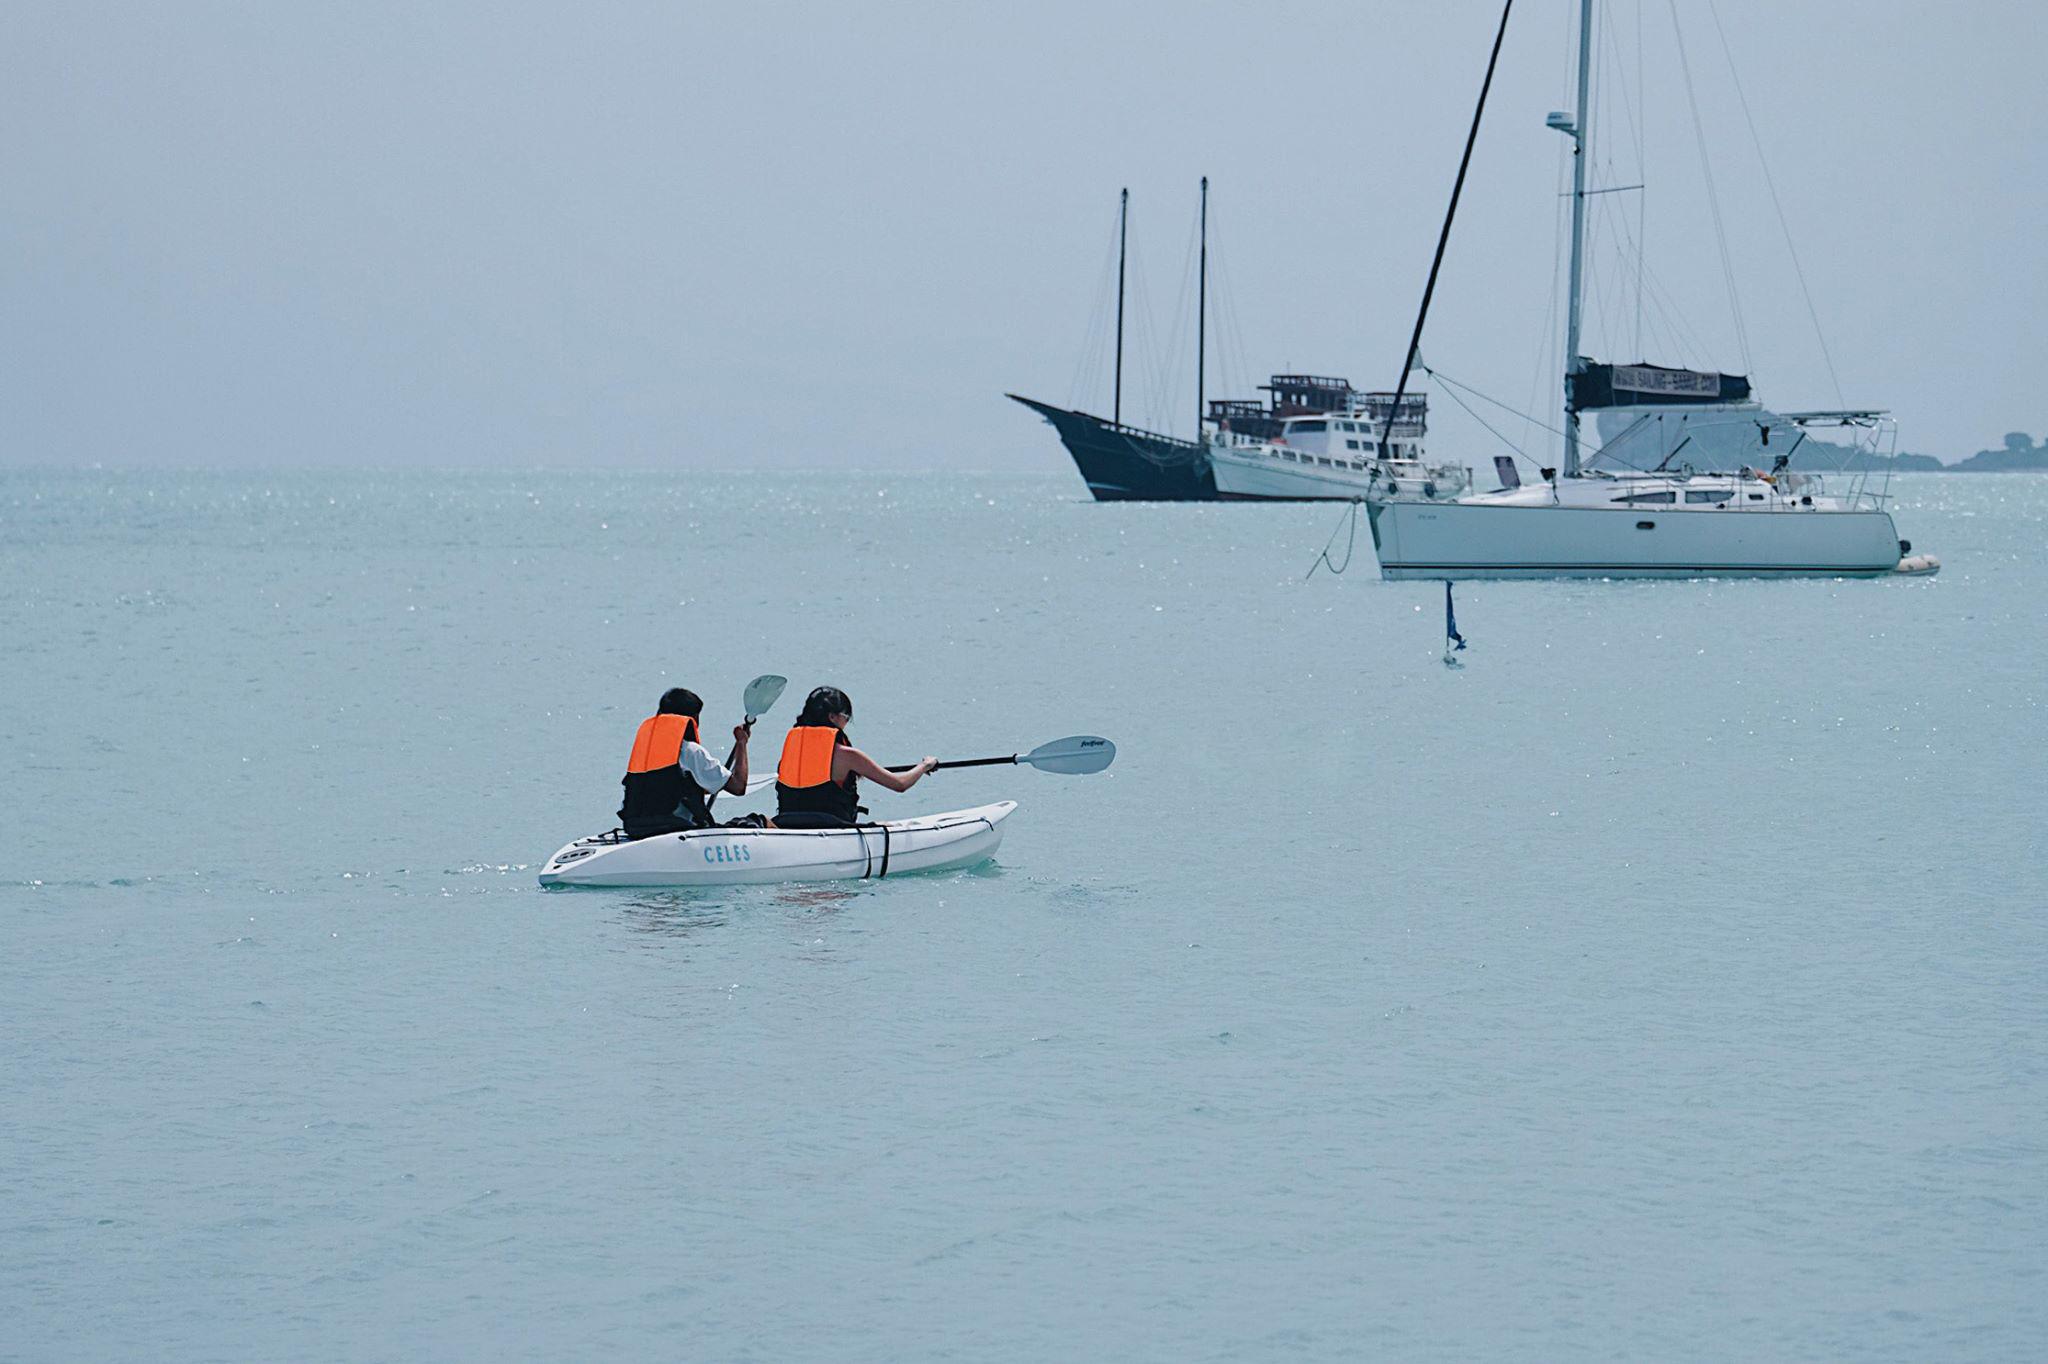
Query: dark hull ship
pixel 1123 464
pixel 1128 464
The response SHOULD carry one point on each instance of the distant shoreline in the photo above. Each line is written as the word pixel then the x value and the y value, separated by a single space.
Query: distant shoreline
pixel 2019 455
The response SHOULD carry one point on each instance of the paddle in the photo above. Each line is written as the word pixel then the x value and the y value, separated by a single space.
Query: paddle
pixel 1073 756
pixel 761 694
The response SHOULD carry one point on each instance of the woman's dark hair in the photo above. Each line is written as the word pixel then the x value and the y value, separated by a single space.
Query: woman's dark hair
pixel 824 702
pixel 681 701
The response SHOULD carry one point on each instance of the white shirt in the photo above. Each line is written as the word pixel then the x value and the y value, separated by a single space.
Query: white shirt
pixel 706 770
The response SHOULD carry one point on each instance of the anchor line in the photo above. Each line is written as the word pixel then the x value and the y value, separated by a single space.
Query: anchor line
pixel 1323 559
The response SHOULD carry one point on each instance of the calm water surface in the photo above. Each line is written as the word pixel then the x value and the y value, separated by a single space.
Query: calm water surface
pixel 1667 983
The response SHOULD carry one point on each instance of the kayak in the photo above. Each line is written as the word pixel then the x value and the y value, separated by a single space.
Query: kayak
pixel 737 857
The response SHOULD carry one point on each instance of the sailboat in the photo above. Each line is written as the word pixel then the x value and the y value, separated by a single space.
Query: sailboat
pixel 1638 507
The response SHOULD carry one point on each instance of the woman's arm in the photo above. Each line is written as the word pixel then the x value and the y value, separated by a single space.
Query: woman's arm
pixel 852 760
pixel 736 785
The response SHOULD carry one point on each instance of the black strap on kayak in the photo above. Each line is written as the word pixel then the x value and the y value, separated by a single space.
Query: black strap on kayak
pixel 868 850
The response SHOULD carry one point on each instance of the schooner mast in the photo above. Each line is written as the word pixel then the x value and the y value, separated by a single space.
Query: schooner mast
pixel 1123 225
pixel 1202 314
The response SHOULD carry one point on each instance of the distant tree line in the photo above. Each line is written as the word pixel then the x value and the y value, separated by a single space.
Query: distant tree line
pixel 2019 453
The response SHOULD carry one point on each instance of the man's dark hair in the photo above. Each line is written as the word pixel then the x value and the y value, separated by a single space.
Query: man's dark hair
pixel 681 701
pixel 824 702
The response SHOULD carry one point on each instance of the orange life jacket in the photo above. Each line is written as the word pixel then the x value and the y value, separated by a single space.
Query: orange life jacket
pixel 807 755
pixel 660 741
pixel 661 798
pixel 803 779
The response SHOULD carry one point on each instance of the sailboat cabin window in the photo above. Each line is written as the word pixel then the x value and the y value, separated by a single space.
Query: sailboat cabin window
pixel 1636 499
pixel 1711 495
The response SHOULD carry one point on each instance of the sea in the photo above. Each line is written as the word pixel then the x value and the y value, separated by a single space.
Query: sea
pixel 1666 980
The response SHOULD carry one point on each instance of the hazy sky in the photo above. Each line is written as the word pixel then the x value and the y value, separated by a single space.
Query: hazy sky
pixel 726 235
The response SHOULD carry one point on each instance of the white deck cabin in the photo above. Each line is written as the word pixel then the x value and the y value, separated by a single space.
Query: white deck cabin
pixel 1335 455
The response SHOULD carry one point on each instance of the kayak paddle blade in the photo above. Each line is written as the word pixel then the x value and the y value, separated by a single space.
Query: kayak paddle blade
pixel 762 693
pixel 1079 754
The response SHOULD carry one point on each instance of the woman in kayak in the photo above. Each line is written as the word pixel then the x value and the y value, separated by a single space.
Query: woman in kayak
pixel 816 779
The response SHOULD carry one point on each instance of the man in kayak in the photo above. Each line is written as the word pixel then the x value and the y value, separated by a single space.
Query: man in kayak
pixel 671 777
pixel 816 779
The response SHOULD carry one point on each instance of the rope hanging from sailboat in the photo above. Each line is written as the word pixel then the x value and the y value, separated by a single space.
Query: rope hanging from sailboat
pixel 1350 545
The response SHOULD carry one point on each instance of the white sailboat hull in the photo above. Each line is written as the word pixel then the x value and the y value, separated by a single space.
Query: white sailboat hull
pixel 1468 540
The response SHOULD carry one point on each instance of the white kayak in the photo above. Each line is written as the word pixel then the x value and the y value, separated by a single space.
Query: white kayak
pixel 736 857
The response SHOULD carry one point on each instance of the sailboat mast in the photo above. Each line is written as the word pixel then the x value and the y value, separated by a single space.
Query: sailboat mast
pixel 1443 238
pixel 1123 225
pixel 1581 131
pixel 1202 316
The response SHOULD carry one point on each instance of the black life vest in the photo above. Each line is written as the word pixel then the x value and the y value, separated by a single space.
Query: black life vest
pixel 803 779
pixel 661 798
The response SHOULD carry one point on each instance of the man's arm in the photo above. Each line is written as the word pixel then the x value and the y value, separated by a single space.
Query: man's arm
pixel 737 784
